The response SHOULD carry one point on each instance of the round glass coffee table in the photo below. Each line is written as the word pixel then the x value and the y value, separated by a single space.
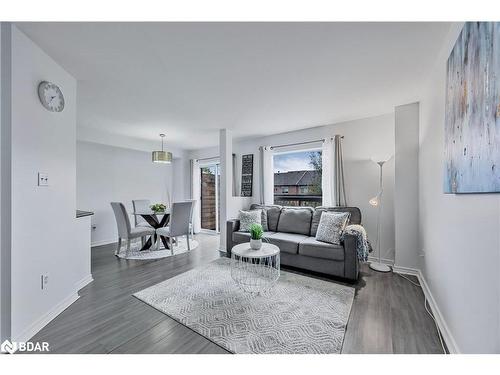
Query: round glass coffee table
pixel 255 271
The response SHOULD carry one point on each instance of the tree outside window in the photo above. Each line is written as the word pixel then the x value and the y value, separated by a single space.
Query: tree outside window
pixel 297 178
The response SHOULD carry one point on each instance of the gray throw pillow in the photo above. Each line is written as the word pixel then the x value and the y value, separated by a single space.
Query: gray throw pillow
pixel 265 227
pixel 331 225
pixel 247 218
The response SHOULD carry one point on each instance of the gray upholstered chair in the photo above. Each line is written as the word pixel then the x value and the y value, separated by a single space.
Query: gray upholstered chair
pixel 179 223
pixel 139 206
pixel 125 230
pixel 191 226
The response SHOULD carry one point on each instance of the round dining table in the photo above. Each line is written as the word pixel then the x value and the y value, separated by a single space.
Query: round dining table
pixel 156 220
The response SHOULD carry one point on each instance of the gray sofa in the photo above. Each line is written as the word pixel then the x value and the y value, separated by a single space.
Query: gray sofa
pixel 293 230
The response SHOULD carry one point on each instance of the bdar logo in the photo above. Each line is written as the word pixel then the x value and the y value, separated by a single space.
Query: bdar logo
pixel 8 347
pixel 21 346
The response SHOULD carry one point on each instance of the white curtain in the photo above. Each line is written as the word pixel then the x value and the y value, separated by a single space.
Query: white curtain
pixel 196 194
pixel 236 188
pixel 266 175
pixel 327 178
pixel 338 173
pixel 332 182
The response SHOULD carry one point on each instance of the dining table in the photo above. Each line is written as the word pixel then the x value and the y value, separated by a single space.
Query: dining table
pixel 156 220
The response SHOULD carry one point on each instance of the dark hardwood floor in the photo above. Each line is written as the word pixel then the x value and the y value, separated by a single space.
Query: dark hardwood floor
pixel 388 314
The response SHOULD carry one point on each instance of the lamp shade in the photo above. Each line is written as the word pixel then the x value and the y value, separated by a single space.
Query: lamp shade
pixel 374 201
pixel 162 157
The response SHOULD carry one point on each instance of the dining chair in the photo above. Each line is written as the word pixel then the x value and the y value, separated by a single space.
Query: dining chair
pixel 125 230
pixel 179 223
pixel 139 206
pixel 191 227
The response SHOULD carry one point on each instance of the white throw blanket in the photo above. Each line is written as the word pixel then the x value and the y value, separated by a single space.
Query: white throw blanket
pixel 363 247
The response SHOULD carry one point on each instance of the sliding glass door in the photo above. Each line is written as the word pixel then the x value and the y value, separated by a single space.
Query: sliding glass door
pixel 210 194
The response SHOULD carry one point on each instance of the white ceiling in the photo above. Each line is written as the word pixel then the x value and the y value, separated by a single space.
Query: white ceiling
pixel 189 79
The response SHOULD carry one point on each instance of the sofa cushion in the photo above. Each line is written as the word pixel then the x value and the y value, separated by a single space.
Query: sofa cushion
pixel 273 213
pixel 287 242
pixel 331 226
pixel 240 237
pixel 354 218
pixel 313 248
pixel 295 220
pixel 248 218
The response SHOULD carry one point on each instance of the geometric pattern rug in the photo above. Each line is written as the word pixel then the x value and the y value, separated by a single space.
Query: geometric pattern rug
pixel 137 254
pixel 298 315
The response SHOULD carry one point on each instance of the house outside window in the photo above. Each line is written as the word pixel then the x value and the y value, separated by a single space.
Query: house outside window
pixel 297 178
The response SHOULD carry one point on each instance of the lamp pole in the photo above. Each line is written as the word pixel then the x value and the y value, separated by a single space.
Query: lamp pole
pixel 377 201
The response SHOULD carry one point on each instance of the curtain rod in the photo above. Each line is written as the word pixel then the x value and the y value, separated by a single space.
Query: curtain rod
pixel 210 158
pixel 302 143
pixel 213 157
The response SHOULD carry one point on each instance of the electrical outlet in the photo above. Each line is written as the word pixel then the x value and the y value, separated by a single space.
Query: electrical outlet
pixel 44 281
pixel 43 179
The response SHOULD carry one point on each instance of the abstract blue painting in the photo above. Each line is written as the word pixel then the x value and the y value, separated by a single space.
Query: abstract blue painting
pixel 472 117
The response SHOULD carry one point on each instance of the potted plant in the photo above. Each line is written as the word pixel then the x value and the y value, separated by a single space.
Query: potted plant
pixel 256 233
pixel 158 207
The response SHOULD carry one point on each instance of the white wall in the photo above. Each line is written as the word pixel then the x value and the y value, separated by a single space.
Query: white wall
pixel 43 218
pixel 106 174
pixel 459 233
pixel 181 189
pixel 406 180
pixel 226 181
pixel 5 179
pixel 363 139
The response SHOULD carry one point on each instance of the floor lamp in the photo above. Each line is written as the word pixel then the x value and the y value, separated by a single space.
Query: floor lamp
pixel 376 201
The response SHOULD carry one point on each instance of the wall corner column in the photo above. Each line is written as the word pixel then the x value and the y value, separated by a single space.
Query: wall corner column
pixel 406 195
pixel 6 178
pixel 226 178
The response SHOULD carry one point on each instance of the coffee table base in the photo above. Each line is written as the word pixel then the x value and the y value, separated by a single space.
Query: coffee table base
pixel 255 275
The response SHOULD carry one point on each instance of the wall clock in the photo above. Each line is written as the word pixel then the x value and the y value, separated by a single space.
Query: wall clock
pixel 51 96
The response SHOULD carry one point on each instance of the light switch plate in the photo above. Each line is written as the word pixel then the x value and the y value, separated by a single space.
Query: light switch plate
pixel 43 179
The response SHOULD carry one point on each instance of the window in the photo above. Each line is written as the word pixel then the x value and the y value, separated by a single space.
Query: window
pixel 297 178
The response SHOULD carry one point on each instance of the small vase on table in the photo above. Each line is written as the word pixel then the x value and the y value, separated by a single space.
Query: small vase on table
pixel 256 233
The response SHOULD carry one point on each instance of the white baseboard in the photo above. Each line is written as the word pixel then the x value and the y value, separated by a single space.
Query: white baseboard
pixel 45 319
pixel 389 262
pixel 406 270
pixel 103 242
pixel 443 327
pixel 84 282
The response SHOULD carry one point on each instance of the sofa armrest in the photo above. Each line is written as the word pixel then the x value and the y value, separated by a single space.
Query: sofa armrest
pixel 231 226
pixel 351 263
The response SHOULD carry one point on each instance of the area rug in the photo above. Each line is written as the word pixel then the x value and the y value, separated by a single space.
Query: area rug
pixel 136 254
pixel 298 315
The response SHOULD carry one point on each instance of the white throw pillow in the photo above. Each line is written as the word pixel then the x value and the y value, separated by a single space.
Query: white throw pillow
pixel 331 225
pixel 247 218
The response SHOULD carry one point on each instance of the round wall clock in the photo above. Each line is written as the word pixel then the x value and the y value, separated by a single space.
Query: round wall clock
pixel 51 96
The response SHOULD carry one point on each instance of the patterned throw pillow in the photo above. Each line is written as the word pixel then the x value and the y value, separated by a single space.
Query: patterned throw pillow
pixel 247 218
pixel 331 225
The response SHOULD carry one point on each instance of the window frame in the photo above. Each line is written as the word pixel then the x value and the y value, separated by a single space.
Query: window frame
pixel 300 189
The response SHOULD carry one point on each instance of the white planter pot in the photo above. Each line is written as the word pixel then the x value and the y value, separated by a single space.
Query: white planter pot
pixel 256 244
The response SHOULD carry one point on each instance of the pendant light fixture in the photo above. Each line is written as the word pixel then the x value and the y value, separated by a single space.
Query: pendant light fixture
pixel 164 157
